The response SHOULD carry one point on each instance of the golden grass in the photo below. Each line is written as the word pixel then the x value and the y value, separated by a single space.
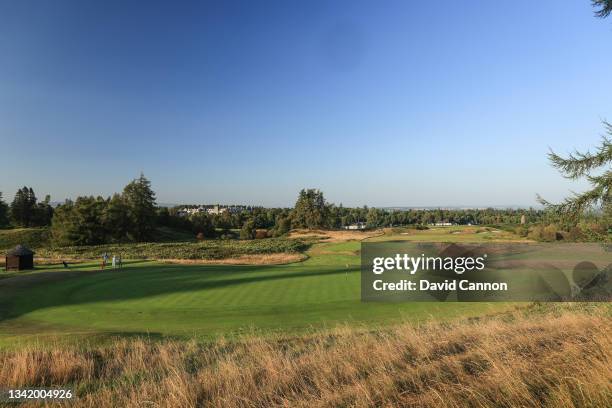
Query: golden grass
pixel 335 235
pixel 552 355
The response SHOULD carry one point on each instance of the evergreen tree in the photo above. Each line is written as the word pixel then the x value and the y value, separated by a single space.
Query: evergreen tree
pixel 42 212
pixel 605 7
pixel 374 218
pixel 23 207
pixel 79 223
pixel 163 216
pixel 116 219
pixel 311 210
pixel 140 199
pixel 283 226
pixel 64 225
pixel 201 224
pixel 248 230
pixel 27 212
pixel 583 165
pixel 4 212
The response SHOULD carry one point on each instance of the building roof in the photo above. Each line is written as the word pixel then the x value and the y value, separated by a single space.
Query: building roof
pixel 20 250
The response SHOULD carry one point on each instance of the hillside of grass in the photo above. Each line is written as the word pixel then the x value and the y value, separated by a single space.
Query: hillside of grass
pixel 168 243
pixel 457 233
pixel 39 237
pixel 550 355
pixel 30 237
pixel 209 249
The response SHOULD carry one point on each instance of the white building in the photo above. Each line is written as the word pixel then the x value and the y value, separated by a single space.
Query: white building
pixel 216 210
pixel 356 226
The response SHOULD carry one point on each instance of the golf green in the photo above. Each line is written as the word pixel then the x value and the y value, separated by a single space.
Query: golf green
pixel 204 300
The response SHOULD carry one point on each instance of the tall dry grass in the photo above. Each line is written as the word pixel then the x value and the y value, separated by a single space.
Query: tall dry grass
pixel 552 355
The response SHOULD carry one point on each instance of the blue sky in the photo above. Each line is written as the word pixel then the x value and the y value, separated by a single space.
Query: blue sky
pixel 379 103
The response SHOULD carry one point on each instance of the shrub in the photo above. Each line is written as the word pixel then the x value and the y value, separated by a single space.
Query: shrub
pixel 550 233
pixel 261 233
pixel 547 233
pixel 521 231
pixel 248 230
pixel 283 226
pixel 536 233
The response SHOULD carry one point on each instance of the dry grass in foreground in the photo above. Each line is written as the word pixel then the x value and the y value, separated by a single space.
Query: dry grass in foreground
pixel 553 355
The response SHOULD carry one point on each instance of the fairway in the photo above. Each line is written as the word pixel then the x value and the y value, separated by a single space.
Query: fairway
pixel 205 300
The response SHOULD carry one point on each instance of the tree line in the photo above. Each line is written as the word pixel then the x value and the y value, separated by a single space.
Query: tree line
pixel 313 211
pixel 129 216
pixel 25 210
pixel 133 216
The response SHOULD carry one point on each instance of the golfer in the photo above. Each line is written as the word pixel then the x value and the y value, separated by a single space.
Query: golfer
pixel 104 260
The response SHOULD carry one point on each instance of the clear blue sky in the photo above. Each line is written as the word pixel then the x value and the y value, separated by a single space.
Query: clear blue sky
pixel 381 103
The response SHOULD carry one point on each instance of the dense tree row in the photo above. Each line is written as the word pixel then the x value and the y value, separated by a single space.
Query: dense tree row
pixel 134 216
pixel 312 211
pixel 130 216
pixel 4 213
pixel 25 210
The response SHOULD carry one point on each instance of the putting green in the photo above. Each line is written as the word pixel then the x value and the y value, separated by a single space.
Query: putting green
pixel 204 300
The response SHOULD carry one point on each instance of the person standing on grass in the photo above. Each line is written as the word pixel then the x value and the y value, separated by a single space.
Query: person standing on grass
pixel 114 261
pixel 120 262
pixel 104 260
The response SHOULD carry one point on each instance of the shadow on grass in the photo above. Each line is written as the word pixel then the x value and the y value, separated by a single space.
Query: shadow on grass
pixel 24 294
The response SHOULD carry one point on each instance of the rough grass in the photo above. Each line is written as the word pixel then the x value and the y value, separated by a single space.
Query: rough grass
pixel 212 249
pixel 335 235
pixel 30 237
pixel 551 356
pixel 457 233
pixel 257 259
pixel 40 237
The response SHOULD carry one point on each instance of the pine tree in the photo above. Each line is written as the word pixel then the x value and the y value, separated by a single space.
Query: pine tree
pixel 79 223
pixel 311 210
pixel 42 213
pixel 579 165
pixel 4 211
pixel 116 219
pixel 140 199
pixel 23 207
pixel 583 165
pixel 605 8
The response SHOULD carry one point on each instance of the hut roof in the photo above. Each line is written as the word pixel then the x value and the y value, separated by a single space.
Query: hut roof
pixel 20 250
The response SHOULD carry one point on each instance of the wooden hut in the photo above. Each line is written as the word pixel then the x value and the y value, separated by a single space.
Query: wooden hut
pixel 19 259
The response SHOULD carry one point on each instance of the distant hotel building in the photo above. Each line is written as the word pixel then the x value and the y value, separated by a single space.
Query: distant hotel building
pixel 214 210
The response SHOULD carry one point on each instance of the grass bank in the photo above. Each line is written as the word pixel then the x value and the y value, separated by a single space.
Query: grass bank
pixel 30 237
pixel 209 249
pixel 545 355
